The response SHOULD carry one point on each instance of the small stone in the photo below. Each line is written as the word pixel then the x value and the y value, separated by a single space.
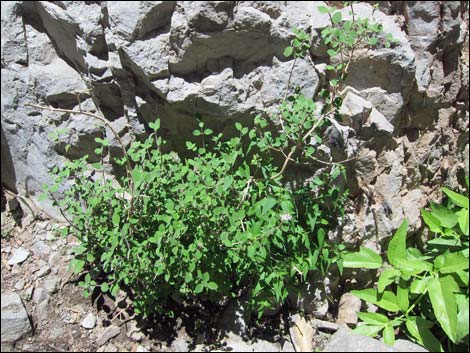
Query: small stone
pixel 28 293
pixel 43 272
pixel 16 270
pixel 108 348
pixel 40 248
pixel 301 333
pixel 180 345
pixel 141 349
pixel 20 284
pixel 43 311
pixel 15 321
pixel 40 295
pixel 19 256
pixel 50 236
pixel 12 205
pixel 110 332
pixel 6 249
pixel 26 221
pixel 54 259
pixel 89 321
pixel 349 305
pixel 56 332
pixel 52 284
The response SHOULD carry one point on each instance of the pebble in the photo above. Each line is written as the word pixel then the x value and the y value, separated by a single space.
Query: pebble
pixel 50 236
pixel 43 311
pixel 110 332
pixel 28 293
pixel 349 305
pixel 141 349
pixel 19 255
pixel 40 248
pixel 15 321
pixel 20 284
pixel 43 272
pixel 52 284
pixel 54 259
pixel 89 321
pixel 6 249
pixel 40 295
pixel 16 270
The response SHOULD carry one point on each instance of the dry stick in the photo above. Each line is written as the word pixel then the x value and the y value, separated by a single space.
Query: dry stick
pixel 128 165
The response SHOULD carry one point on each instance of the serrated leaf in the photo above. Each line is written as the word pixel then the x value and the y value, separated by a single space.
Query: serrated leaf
pixel 458 199
pixel 387 300
pixel 364 258
pixel 444 305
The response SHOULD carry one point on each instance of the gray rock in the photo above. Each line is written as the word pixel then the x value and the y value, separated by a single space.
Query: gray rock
pixel 52 284
pixel 19 255
pixel 20 284
pixel 301 333
pixel 54 259
pixel 237 344
pixel 180 345
pixel 40 295
pixel 42 310
pixel 376 126
pixel 345 341
pixel 141 349
pixel 355 110
pixel 235 317
pixel 43 271
pixel 110 332
pixel 89 321
pixel 15 322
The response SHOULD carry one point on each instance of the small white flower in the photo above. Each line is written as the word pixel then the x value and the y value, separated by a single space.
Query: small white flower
pixel 286 217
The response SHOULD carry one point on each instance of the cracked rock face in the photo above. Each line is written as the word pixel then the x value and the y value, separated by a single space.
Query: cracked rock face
pixel 405 108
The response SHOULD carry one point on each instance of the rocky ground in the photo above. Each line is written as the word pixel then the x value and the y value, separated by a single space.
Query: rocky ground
pixel 43 308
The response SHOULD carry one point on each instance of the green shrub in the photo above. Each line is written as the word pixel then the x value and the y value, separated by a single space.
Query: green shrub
pixel 425 295
pixel 221 220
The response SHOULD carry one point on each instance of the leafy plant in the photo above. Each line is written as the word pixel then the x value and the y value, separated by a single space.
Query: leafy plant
pixel 424 295
pixel 221 220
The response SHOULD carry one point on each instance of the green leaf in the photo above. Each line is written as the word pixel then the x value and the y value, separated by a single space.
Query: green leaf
pixel 450 262
pixel 402 295
pixel 387 277
pixel 367 330
pixel 364 258
pixel 336 18
pixel 419 286
pixel 387 300
pixel 389 335
pixel 324 9
pixel 463 221
pixel 198 288
pixel 104 287
pixel 462 316
pixel 447 217
pixel 188 277
pixel 116 218
pixel 212 285
pixel 458 199
pixel 331 52
pixel 419 329
pixel 397 246
pixel 374 319
pixel 432 222
pixel 444 305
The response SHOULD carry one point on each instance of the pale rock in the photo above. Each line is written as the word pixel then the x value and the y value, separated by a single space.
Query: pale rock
pixel 40 248
pixel 15 323
pixel 349 306
pixel 20 284
pixel 40 295
pixel 52 284
pixel 301 333
pixel 110 332
pixel 355 110
pixel 43 271
pixel 19 255
pixel 89 321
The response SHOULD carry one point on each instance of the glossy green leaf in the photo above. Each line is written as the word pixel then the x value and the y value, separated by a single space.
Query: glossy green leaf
pixel 387 300
pixel 433 223
pixel 458 199
pixel 336 18
pixel 463 221
pixel 387 277
pixel 403 295
pixel 367 330
pixel 444 305
pixel 288 51
pixel 389 335
pixel 374 319
pixel 450 262
pixel 397 245
pixel 419 286
pixel 419 329
pixel 364 258
pixel 462 316
pixel 447 217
